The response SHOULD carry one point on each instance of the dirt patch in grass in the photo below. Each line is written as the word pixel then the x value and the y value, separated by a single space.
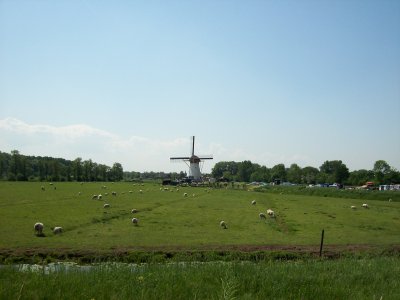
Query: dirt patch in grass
pixel 205 253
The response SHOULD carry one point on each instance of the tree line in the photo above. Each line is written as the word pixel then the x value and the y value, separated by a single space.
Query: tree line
pixel 15 166
pixel 334 171
pixel 139 176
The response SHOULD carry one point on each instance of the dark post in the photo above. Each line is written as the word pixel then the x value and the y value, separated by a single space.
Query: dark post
pixel 322 243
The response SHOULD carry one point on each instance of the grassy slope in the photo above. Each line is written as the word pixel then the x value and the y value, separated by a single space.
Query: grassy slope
pixel 167 219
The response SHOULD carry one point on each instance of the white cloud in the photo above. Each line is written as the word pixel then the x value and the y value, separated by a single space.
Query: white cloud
pixel 71 131
pixel 135 153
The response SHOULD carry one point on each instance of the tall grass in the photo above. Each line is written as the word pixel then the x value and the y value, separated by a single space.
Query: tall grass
pixel 332 192
pixel 375 278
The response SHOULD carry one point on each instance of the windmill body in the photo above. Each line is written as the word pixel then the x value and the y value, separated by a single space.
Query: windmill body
pixel 193 162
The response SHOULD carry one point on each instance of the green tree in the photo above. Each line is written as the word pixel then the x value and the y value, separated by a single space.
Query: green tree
pixel 244 171
pixel 309 175
pixel 261 174
pixel 278 172
pixel 381 169
pixel 225 166
pixel 77 169
pixel 117 172
pixel 360 177
pixel 335 171
pixel 294 174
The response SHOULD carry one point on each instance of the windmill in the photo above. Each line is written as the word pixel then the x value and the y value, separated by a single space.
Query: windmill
pixel 193 162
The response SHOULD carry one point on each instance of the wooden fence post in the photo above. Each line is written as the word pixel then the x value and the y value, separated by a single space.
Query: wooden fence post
pixel 322 243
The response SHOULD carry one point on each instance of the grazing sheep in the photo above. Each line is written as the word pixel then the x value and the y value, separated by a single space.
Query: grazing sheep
pixel 390 200
pixel 57 230
pixel 194 195
pixel 105 194
pixel 79 193
pixel 365 205
pixel 270 213
pixel 262 215
pixel 353 207
pixel 140 191
pixel 94 197
pixel 130 192
pixel 135 221
pixel 185 195
pixel 114 193
pixel 223 225
pixel 99 197
pixel 38 227
pixel 106 205
pixel 253 202
pixel 134 211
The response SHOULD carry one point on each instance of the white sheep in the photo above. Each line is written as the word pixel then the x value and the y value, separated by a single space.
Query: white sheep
pixel 135 221
pixel 134 211
pixel 365 205
pixel 194 195
pixel 253 202
pixel 130 192
pixel 106 205
pixel 141 191
pixel 94 197
pixel 262 215
pixel 57 230
pixel 390 200
pixel 353 207
pixel 114 193
pixel 38 227
pixel 223 225
pixel 79 193
pixel 270 213
pixel 185 195
pixel 99 197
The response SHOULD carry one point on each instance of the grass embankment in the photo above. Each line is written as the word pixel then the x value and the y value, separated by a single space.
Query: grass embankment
pixel 339 279
pixel 332 192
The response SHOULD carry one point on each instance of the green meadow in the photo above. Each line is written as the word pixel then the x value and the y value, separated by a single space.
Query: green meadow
pixel 186 253
pixel 170 221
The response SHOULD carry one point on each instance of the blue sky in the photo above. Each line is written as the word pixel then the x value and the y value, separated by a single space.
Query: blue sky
pixel 267 81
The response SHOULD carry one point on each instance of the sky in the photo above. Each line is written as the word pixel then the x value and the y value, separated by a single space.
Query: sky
pixel 268 81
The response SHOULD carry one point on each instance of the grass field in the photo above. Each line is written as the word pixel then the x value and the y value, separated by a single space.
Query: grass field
pixel 170 221
pixel 372 279
pixel 261 259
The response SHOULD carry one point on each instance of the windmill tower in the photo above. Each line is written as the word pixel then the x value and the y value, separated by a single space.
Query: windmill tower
pixel 193 162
